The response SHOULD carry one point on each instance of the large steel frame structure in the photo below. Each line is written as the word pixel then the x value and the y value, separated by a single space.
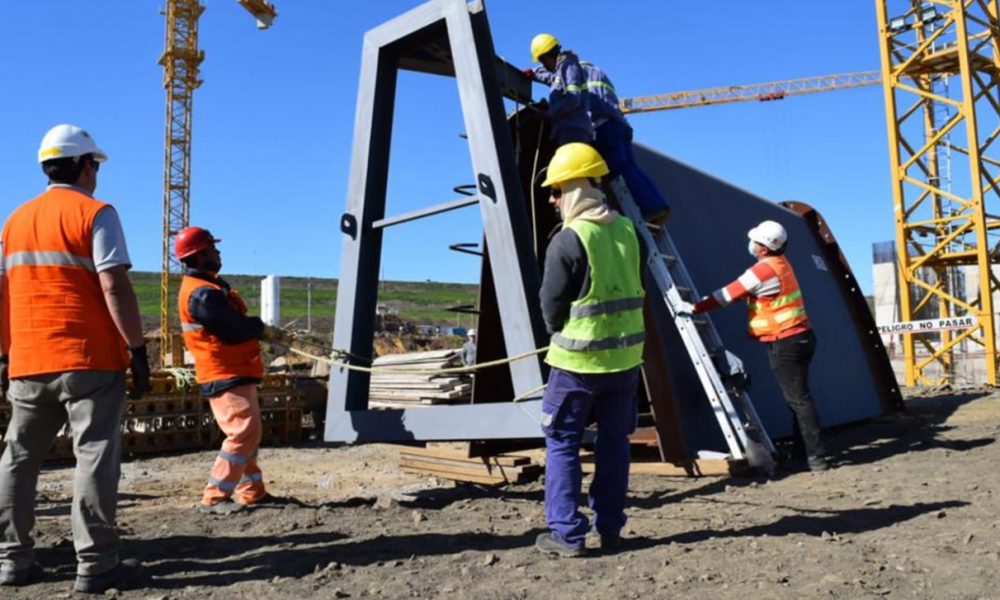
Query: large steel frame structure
pixel 942 217
pixel 451 38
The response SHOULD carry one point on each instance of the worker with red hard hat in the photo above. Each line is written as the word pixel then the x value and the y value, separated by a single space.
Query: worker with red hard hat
pixel 224 342
pixel 777 316
pixel 71 329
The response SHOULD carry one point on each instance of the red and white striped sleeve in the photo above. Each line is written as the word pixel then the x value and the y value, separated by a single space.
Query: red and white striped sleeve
pixel 758 280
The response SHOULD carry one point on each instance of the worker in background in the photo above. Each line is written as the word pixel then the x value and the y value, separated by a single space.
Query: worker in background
pixel 777 317
pixel 469 349
pixel 567 107
pixel 591 299
pixel 612 133
pixel 224 342
pixel 70 328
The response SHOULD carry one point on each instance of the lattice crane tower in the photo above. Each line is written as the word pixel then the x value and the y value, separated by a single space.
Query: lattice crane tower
pixel 181 60
pixel 940 68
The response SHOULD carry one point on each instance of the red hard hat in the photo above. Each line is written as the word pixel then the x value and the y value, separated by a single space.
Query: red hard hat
pixel 192 240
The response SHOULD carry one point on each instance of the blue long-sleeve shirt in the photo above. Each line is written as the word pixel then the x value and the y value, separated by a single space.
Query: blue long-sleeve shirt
pixel 601 95
pixel 568 101
pixel 212 309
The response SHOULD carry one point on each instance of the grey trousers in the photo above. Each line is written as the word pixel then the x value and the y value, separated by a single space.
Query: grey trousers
pixel 92 403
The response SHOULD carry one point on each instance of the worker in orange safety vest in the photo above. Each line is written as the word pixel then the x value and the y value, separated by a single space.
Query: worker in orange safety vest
pixel 777 316
pixel 70 329
pixel 224 342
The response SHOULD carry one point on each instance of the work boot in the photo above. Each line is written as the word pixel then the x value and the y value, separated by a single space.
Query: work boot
pixel 18 577
pixel 611 542
pixel 226 507
pixel 272 501
pixel 125 574
pixel 818 463
pixel 547 543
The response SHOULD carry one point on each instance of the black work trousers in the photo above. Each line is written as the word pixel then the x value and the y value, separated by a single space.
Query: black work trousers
pixel 789 358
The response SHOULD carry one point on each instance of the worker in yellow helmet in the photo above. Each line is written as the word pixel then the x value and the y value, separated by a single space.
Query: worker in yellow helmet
pixel 612 132
pixel 592 300
pixel 567 107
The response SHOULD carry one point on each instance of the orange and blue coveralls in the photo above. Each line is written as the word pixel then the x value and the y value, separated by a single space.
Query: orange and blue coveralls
pixel 223 340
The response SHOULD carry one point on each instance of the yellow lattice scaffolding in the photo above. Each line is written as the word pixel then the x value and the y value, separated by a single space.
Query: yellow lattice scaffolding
pixel 940 67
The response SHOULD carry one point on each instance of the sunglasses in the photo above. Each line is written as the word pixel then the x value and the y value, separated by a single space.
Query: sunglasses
pixel 556 193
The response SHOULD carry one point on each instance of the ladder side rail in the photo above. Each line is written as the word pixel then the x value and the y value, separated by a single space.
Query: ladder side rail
pixel 729 420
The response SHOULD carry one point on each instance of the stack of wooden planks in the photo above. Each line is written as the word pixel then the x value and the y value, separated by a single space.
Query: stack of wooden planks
pixel 415 388
pixel 459 466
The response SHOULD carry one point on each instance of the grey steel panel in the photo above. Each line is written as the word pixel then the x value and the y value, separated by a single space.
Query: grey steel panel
pixel 466 422
pixel 709 224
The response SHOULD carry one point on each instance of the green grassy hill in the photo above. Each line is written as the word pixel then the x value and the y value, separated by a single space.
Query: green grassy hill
pixel 416 302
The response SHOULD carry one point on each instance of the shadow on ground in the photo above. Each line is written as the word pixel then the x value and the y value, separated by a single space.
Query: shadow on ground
pixel 920 428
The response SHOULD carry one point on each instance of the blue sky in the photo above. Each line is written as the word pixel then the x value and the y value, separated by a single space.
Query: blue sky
pixel 274 119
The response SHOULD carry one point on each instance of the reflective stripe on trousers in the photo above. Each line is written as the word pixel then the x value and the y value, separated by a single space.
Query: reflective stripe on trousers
pixel 235 474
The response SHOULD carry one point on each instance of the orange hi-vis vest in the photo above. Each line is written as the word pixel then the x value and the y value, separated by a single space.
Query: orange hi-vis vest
pixel 213 359
pixel 58 319
pixel 772 316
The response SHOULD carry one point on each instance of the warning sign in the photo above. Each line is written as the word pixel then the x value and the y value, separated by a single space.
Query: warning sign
pixel 928 325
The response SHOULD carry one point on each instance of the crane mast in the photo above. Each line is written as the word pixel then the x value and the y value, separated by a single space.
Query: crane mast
pixel 181 60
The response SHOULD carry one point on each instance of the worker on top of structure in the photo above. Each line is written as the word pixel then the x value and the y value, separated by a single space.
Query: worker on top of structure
pixel 70 328
pixel 224 342
pixel 567 108
pixel 612 132
pixel 592 300
pixel 469 348
pixel 777 316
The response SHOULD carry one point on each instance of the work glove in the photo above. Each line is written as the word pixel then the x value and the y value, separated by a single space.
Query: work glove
pixel 4 376
pixel 684 309
pixel 530 74
pixel 140 372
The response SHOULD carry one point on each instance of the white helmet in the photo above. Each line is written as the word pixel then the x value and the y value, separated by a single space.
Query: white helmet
pixel 68 141
pixel 472 332
pixel 770 234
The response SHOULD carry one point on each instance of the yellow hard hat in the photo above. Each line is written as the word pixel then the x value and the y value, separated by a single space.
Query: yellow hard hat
pixel 541 44
pixel 574 161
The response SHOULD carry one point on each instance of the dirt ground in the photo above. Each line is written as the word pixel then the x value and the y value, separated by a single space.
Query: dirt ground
pixel 909 512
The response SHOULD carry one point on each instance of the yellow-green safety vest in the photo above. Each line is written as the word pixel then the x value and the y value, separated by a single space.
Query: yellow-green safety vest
pixel 605 329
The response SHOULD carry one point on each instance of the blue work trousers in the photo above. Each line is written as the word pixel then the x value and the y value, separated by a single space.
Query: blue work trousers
pixel 567 135
pixel 570 400
pixel 614 142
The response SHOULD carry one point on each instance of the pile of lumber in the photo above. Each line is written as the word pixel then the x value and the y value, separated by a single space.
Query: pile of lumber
pixel 459 466
pixel 419 385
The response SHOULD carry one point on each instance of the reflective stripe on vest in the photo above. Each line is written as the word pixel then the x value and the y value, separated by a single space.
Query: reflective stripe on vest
pixel 47 258
pixel 215 360
pixel 58 318
pixel 604 332
pixel 769 316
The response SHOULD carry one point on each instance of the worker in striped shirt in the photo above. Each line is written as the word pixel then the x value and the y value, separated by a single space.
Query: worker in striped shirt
pixel 777 316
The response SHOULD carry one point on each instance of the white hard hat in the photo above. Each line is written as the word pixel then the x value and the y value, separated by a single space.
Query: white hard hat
pixel 769 233
pixel 68 141
pixel 472 332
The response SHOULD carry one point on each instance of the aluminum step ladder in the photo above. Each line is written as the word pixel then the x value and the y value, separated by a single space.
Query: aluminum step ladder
pixel 721 373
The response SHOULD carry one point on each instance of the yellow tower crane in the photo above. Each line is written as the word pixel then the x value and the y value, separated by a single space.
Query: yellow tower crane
pixel 940 71
pixel 761 92
pixel 181 60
